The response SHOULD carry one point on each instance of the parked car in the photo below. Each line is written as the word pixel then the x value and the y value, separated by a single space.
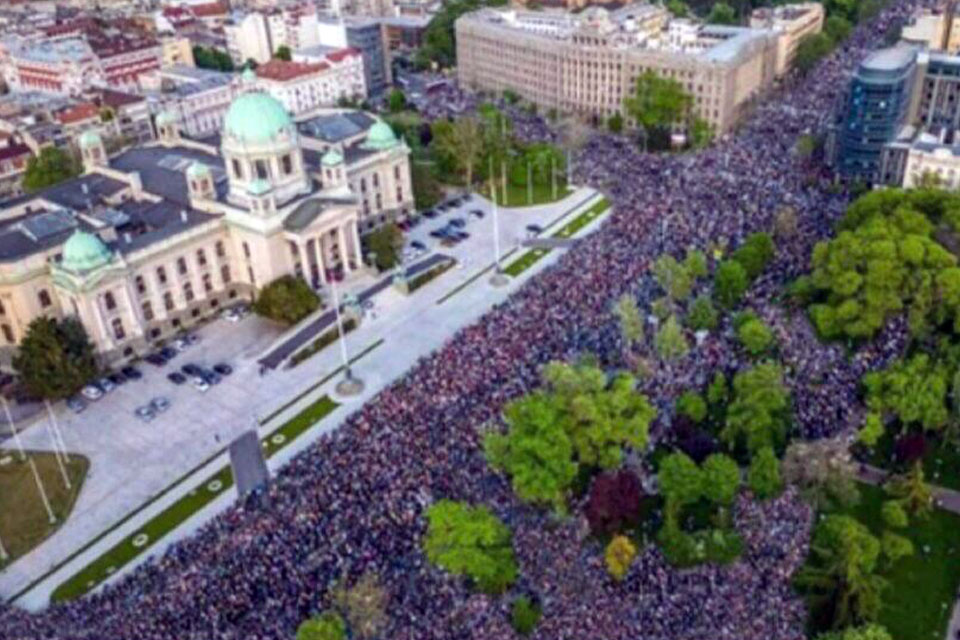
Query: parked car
pixel 131 373
pixel 467 197
pixel 211 376
pixel 419 246
pixel 169 353
pixel 116 378
pixel 192 369
pixel 439 233
pixel 459 223
pixel 535 229
pixel 231 315
pixel 430 214
pixel 156 359
pixel 105 385
pixel 180 344
pixel 223 369
pixel 76 404
pixel 477 213
pixel 160 404
pixel 460 235
pixel 176 378
pixel 145 413
pixel 200 384
pixel 92 392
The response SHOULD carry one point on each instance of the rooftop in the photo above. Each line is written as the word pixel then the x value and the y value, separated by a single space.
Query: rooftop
pixel 336 127
pixel 282 71
pixel 163 170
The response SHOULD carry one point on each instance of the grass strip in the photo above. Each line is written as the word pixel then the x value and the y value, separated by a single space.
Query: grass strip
pixel 431 273
pixel 525 261
pixel 186 476
pixel 177 513
pixel 325 340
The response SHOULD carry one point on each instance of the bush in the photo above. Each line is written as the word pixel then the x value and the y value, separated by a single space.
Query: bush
pixel 619 556
pixel 524 615
pixel 755 253
pixel 730 283
pixel 755 337
pixel 702 314
pixel 764 474
pixel 692 405
pixel 287 300
pixel 614 501
pixel 423 278
pixel 329 626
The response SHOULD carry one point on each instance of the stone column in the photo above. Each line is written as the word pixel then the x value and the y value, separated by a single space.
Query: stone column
pixel 342 245
pixel 355 232
pixel 321 263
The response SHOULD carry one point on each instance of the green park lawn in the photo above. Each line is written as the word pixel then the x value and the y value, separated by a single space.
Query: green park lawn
pixel 178 512
pixel 922 588
pixel 520 197
pixel 24 523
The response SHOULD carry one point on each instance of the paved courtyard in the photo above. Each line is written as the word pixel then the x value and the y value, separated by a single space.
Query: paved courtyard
pixel 132 461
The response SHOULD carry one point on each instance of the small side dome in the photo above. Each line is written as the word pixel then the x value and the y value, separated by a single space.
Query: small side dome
pixel 380 137
pixel 84 252
pixel 331 158
pixel 198 170
pixel 248 75
pixel 256 118
pixel 165 119
pixel 89 139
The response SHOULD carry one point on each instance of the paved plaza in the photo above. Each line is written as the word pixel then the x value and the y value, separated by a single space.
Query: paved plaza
pixel 132 461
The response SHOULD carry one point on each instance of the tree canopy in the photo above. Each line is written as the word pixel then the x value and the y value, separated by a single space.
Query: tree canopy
pixel 212 59
pixel 470 541
pixel 439 40
pixel 287 300
pixel 657 103
pixel 55 358
pixel 914 391
pixel 327 626
pixel 51 167
pixel 386 242
pixel 759 413
pixel 722 13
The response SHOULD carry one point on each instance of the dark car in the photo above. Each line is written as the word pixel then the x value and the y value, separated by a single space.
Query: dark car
pixel 156 359
pixel 223 369
pixel 467 197
pixel 131 373
pixel 459 223
pixel 210 376
pixel 430 214
pixel 168 353
pixel 176 377
pixel 462 235
pixel 419 246
pixel 116 378
pixel 192 370
pixel 534 229
pixel 438 233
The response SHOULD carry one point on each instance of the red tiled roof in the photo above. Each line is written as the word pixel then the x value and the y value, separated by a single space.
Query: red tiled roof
pixel 281 70
pixel 14 151
pixel 116 99
pixel 341 54
pixel 78 113
pixel 210 9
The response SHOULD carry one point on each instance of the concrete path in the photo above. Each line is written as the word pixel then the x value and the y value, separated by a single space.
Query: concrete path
pixel 132 462
pixel 947 499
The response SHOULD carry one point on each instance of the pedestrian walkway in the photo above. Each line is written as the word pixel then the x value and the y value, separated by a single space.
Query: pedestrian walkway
pixel 946 499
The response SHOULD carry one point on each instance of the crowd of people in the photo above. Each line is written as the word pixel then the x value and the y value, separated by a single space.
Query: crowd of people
pixel 354 502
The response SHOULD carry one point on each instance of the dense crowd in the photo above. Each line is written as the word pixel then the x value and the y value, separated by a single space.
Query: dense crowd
pixel 354 502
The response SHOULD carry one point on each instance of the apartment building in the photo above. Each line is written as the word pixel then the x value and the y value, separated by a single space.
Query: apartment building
pixel 305 86
pixel 792 23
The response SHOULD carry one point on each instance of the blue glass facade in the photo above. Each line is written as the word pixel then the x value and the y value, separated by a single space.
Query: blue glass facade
pixel 878 104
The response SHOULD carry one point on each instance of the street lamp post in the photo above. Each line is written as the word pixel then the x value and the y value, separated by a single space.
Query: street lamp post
pixel 30 462
pixel 498 279
pixel 350 385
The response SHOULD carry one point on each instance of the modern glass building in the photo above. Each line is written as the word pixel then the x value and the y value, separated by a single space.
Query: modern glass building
pixel 878 104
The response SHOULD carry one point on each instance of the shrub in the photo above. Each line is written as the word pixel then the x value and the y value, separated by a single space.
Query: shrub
pixel 755 253
pixel 730 283
pixel 328 626
pixel 287 300
pixel 702 314
pixel 692 405
pixel 619 556
pixel 755 337
pixel 524 615
pixel 764 474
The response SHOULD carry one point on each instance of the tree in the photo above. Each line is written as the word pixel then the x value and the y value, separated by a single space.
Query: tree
pixel 701 132
pixel 52 166
pixel 524 615
pixel 630 320
pixel 692 405
pixel 722 13
pixel 283 53
pixel 657 103
pixel 364 605
pixel 55 358
pixel 718 392
pixel 823 472
pixel 286 300
pixel 681 481
pixel 837 28
pixel 894 546
pixel 212 59
pixel 894 515
pixel 670 342
pixel 397 101
pixel 840 574
pixel 619 556
pixel 462 142
pixel 759 411
pixel 871 431
pixel 328 626
pixel 386 242
pixel 678 8
pixel 614 501
pixel 914 390
pixel 536 452
pixel 615 123
pixel 470 541
pixel 868 632
pixel 913 491
pixel 426 190
pixel 755 336
pixel 721 479
pixel 729 283
pixel 599 417
pixel 810 50
pixel 755 253
pixel 702 315
pixel 673 277
pixel 764 474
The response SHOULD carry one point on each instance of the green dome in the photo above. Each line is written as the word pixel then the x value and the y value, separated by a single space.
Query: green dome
pixel 380 136
pixel 198 170
pixel 165 118
pixel 331 158
pixel 259 187
pixel 84 252
pixel 256 118
pixel 89 139
pixel 248 75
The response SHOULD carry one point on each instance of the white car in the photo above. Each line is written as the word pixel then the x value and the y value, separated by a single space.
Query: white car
pixel 145 413
pixel 230 315
pixel 159 404
pixel 105 385
pixel 200 384
pixel 91 392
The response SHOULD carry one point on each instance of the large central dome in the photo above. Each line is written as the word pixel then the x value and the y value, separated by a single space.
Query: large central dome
pixel 256 118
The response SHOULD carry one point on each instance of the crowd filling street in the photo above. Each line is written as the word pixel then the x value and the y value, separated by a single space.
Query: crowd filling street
pixel 354 501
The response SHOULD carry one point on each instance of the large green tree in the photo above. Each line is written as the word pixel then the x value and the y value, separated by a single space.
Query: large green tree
pixel 764 474
pixel 721 479
pixel 386 243
pixel 460 144
pixel 50 167
pixel 914 391
pixel 670 342
pixel 823 471
pixel 760 411
pixel 657 103
pixel 730 282
pixel 470 541
pixel 287 300
pixel 722 13
pixel 630 320
pixel 681 480
pixel 55 358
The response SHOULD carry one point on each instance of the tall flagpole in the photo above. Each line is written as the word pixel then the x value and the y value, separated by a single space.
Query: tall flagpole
pixel 57 432
pixel 529 183
pixel 33 465
pixel 498 279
